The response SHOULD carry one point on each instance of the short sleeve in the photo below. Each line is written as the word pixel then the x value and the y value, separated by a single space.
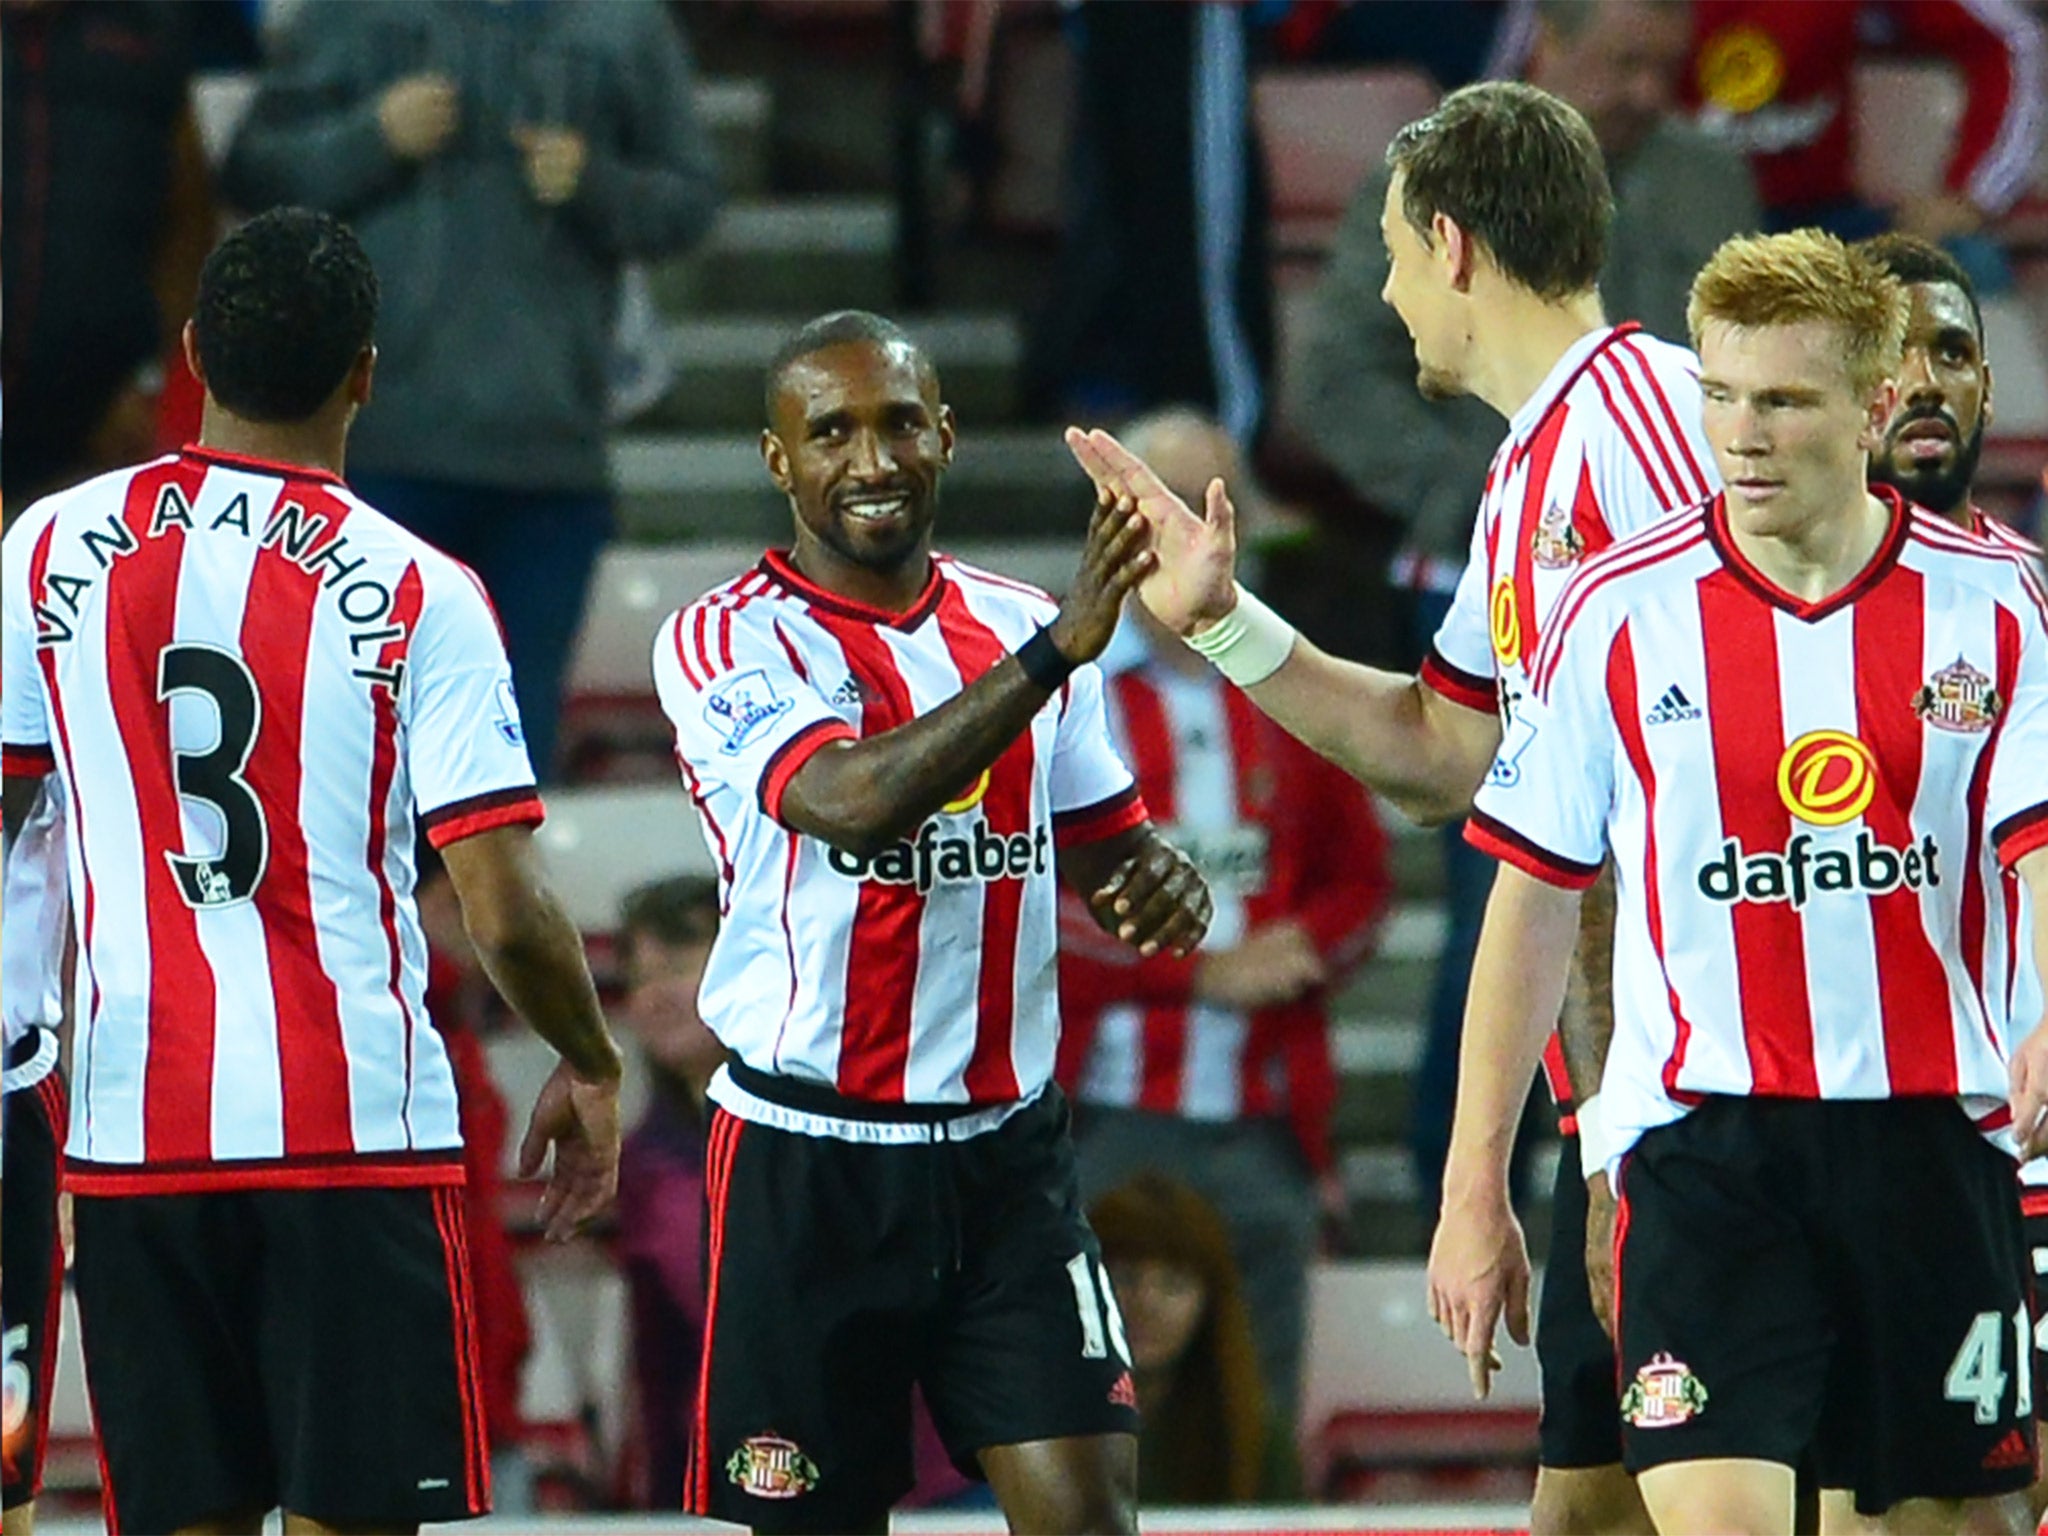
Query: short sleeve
pixel 1094 795
pixel 1545 804
pixel 745 714
pixel 24 715
pixel 1460 662
pixel 465 749
pixel 2016 809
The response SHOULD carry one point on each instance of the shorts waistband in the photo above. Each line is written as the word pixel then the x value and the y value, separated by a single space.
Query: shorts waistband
pixel 816 1099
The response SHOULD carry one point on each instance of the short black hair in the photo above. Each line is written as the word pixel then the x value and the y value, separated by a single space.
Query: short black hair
pixel 682 909
pixel 286 304
pixel 841 327
pixel 1913 260
pixel 1521 173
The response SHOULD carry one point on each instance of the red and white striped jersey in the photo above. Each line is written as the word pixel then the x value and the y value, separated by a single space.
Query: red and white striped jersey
pixel 926 973
pixel 1795 795
pixel 1610 442
pixel 249 682
pixel 32 942
pixel 1279 833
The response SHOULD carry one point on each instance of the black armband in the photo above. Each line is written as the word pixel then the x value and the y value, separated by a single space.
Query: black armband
pixel 1043 662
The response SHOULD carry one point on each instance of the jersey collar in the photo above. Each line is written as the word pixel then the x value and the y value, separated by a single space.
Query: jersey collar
pixel 227 460
pixel 1564 373
pixel 1762 586
pixel 778 567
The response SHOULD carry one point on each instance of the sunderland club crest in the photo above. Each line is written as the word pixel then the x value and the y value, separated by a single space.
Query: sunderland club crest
pixel 1958 698
pixel 1665 1393
pixel 1556 543
pixel 770 1467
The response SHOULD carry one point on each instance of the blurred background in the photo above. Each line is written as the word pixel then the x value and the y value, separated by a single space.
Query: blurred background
pixel 1095 213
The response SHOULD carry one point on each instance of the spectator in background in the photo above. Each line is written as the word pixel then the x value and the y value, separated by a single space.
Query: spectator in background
pixel 500 163
pixel 665 934
pixel 107 217
pixel 458 997
pixel 1162 290
pixel 1677 194
pixel 1208 1435
pixel 1217 1066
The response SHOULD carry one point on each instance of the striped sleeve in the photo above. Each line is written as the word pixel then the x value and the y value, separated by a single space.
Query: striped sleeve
pixel 1460 663
pixel 1094 794
pixel 745 712
pixel 25 750
pixel 1651 458
pixel 2016 809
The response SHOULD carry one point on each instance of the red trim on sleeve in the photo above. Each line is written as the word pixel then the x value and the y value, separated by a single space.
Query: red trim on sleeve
pixel 484 813
pixel 2017 836
pixel 1458 685
pixel 1105 819
pixel 27 762
pixel 1503 842
pixel 792 755
pixel 2033 1200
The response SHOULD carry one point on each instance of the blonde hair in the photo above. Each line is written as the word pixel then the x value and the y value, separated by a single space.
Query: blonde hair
pixel 1807 275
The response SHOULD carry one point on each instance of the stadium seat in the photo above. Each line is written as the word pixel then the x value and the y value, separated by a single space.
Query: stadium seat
pixel 1323 130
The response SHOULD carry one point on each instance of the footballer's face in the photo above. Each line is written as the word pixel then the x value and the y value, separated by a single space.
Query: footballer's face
pixel 1789 429
pixel 1936 435
pixel 858 441
pixel 1419 289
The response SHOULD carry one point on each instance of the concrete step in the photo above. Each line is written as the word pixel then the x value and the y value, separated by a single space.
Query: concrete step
pixel 787 255
pixel 719 364
pixel 740 112
pixel 1004 483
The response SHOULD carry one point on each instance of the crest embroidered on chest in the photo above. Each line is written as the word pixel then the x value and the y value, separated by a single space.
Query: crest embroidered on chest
pixel 1958 698
pixel 1556 543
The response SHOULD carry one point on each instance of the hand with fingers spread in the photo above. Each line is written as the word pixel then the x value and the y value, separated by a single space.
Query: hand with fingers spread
pixel 1478 1274
pixel 579 1118
pixel 1115 558
pixel 1193 584
pixel 1155 901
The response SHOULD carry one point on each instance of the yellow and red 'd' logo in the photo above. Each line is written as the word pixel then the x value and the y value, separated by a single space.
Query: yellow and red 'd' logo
pixel 969 798
pixel 1505 616
pixel 1827 777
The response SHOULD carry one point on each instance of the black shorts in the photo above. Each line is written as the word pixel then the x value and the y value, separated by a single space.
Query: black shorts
pixel 31 1283
pixel 842 1272
pixel 1835 1277
pixel 1581 1425
pixel 2034 1222
pixel 310 1349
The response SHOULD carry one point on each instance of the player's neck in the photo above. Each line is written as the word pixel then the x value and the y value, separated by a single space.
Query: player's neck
pixel 893 591
pixel 1520 339
pixel 1818 559
pixel 319 442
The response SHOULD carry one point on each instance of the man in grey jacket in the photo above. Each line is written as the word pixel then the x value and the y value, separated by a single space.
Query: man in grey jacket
pixel 500 162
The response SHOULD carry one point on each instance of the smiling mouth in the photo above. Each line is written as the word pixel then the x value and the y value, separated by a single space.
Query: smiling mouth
pixel 875 509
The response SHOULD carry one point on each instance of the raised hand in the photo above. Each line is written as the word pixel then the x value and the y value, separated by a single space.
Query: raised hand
pixel 1194 582
pixel 1113 561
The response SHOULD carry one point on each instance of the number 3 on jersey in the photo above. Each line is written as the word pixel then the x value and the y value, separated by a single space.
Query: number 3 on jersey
pixel 214 777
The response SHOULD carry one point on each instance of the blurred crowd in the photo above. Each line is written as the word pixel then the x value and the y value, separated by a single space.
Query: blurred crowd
pixel 514 168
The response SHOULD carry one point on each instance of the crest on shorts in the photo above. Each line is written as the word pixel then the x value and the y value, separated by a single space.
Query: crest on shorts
pixel 770 1467
pixel 1958 698
pixel 1664 1393
pixel 1556 543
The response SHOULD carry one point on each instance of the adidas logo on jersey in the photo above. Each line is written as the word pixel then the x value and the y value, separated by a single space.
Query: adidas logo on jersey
pixel 848 694
pixel 1870 869
pixel 1673 707
pixel 986 855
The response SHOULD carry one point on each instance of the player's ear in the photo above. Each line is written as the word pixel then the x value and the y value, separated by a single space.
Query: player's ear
pixel 1877 415
pixel 776 457
pixel 947 433
pixel 188 342
pixel 1455 250
pixel 362 375
pixel 1985 415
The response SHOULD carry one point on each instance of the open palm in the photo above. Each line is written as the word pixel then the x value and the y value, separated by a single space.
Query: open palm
pixel 1193 583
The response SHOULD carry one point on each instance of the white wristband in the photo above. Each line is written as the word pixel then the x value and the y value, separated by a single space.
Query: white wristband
pixel 1248 644
pixel 1592 1137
